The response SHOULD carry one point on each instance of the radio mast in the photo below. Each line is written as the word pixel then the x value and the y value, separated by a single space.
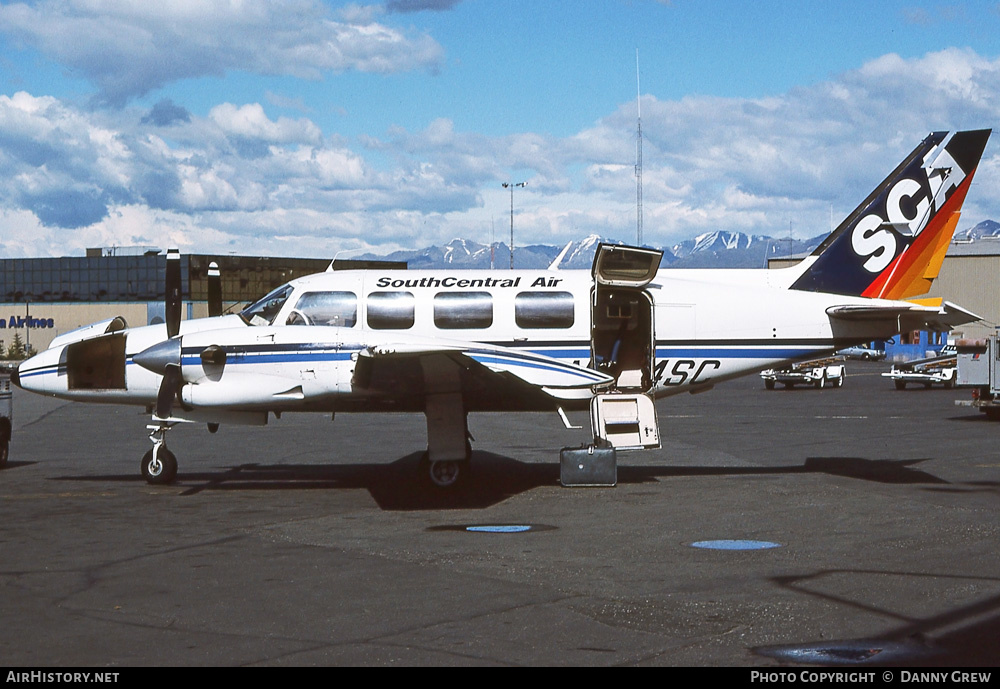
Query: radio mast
pixel 638 156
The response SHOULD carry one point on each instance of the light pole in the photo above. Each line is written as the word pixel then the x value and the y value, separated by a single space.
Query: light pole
pixel 511 185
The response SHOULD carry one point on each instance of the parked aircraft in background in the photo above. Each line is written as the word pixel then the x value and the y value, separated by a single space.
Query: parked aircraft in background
pixel 446 343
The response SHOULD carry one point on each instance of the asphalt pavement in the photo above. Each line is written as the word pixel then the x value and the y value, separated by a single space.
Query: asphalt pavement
pixel 851 527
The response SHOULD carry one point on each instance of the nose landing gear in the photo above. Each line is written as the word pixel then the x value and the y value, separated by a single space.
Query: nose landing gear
pixel 159 465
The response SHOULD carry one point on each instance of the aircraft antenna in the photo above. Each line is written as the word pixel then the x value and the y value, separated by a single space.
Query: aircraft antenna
pixel 638 155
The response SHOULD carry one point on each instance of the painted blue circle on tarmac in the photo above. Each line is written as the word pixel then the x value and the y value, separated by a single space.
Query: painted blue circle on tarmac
pixel 499 528
pixel 735 545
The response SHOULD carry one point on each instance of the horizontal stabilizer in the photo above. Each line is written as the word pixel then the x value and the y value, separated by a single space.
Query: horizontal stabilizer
pixel 913 317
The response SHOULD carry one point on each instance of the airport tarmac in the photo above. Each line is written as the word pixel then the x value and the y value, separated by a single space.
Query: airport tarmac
pixel 310 542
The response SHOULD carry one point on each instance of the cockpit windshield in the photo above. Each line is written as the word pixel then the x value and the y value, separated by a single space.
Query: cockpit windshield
pixel 263 311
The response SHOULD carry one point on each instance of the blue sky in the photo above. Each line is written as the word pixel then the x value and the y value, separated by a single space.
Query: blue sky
pixel 301 127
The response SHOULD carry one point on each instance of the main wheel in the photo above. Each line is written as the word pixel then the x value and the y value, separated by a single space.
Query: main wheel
pixel 161 472
pixel 447 473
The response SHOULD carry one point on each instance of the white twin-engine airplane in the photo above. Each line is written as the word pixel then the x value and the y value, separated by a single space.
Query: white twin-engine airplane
pixel 448 343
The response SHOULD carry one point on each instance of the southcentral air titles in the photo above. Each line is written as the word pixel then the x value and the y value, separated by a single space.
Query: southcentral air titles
pixel 430 281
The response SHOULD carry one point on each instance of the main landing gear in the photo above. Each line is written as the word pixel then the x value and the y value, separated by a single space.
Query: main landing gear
pixel 159 465
pixel 445 464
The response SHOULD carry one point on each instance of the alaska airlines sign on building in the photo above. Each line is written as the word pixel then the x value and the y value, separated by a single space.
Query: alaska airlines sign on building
pixel 26 322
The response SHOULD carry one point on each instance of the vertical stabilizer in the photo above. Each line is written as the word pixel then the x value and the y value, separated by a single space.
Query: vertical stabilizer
pixel 893 244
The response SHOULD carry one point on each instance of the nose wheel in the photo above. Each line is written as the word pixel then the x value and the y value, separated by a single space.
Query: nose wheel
pixel 159 468
pixel 159 465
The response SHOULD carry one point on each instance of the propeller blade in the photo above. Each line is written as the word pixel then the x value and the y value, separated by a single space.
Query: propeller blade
pixel 169 387
pixel 214 290
pixel 173 292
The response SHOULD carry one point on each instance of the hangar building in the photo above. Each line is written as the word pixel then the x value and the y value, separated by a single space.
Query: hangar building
pixel 41 298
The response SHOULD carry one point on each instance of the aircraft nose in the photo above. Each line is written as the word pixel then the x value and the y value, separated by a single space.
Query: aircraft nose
pixel 160 355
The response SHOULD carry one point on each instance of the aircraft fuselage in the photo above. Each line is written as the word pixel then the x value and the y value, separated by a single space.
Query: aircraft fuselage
pixel 302 353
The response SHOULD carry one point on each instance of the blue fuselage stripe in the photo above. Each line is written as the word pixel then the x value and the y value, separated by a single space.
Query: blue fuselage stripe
pixel 519 354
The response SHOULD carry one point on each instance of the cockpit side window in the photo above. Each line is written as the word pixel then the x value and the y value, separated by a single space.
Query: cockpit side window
pixel 262 312
pixel 325 308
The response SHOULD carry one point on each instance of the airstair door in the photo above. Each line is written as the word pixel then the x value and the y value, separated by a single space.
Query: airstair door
pixel 625 266
pixel 623 345
pixel 625 422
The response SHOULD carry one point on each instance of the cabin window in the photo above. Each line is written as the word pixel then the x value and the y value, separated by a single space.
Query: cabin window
pixel 325 308
pixel 390 310
pixel 463 310
pixel 544 310
pixel 262 312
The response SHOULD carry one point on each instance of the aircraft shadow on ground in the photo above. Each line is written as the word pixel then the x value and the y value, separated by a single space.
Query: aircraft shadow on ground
pixel 876 470
pixel 400 485
pixel 960 637
pixel 493 478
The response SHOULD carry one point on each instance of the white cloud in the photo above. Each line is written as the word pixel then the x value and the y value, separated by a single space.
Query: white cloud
pixel 250 122
pixel 240 180
pixel 131 48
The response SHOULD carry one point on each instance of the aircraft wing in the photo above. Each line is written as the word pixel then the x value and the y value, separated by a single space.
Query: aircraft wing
pixel 905 317
pixel 413 367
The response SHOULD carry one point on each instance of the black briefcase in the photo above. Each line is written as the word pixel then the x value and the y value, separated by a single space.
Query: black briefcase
pixel 588 466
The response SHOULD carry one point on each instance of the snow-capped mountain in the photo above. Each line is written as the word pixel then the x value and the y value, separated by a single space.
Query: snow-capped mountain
pixel 719 249
pixel 465 253
pixel 987 228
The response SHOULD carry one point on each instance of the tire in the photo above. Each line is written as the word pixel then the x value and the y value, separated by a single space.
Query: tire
pixel 445 475
pixel 900 384
pixel 164 473
pixel 769 384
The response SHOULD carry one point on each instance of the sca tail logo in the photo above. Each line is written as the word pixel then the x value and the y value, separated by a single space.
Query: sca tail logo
pixel 875 235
